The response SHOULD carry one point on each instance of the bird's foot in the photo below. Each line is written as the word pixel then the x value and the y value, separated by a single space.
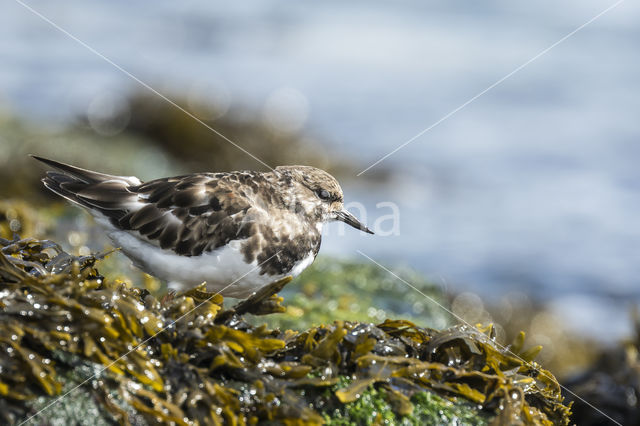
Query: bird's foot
pixel 263 302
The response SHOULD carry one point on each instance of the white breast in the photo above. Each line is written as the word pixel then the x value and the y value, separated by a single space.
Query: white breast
pixel 224 269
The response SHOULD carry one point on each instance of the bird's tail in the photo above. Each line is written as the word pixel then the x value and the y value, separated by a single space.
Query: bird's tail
pixel 99 192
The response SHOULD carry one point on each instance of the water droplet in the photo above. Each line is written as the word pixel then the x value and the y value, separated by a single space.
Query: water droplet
pixel 15 225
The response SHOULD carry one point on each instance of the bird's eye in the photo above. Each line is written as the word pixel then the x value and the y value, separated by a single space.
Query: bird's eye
pixel 323 194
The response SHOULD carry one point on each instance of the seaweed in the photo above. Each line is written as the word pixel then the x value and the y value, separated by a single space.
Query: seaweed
pixel 18 217
pixel 66 330
pixel 611 384
pixel 184 139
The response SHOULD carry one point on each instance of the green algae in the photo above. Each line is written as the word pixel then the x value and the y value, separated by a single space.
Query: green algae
pixel 338 290
pixel 188 360
pixel 432 409
pixel 427 409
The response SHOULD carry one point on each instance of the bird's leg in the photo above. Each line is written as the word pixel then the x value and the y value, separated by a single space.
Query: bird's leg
pixel 263 302
pixel 168 297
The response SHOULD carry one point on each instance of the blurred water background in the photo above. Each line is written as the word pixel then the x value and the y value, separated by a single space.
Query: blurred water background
pixel 532 189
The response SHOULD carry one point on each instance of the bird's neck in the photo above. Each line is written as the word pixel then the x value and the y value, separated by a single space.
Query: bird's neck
pixel 296 198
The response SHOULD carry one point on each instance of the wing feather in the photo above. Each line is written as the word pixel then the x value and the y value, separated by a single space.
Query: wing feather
pixel 188 214
pixel 195 213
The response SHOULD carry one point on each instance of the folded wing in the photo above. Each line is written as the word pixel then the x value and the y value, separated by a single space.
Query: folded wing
pixel 187 214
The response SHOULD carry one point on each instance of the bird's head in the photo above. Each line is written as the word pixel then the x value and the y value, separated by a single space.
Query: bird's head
pixel 319 195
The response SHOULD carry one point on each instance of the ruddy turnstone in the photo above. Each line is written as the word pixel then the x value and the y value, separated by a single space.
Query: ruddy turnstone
pixel 247 228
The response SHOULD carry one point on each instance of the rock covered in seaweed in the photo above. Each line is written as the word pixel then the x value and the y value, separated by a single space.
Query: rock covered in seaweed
pixel 612 384
pixel 122 355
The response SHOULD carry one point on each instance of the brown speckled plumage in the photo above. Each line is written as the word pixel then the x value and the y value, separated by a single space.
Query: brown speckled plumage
pixel 274 215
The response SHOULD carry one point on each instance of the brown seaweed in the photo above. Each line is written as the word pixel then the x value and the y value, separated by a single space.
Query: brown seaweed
pixel 611 384
pixel 189 361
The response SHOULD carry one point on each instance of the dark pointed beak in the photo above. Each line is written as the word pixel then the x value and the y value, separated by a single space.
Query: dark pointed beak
pixel 349 219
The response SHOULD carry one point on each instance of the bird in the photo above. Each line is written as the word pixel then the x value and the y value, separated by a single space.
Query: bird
pixel 237 231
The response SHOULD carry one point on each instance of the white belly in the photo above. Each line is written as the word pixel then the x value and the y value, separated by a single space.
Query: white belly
pixel 223 269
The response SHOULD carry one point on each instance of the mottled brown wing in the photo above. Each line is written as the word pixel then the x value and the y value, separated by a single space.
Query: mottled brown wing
pixel 195 213
pixel 188 214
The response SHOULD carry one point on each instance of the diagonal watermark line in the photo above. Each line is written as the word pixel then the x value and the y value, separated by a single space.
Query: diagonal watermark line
pixel 61 397
pixel 142 83
pixel 447 116
pixel 504 348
